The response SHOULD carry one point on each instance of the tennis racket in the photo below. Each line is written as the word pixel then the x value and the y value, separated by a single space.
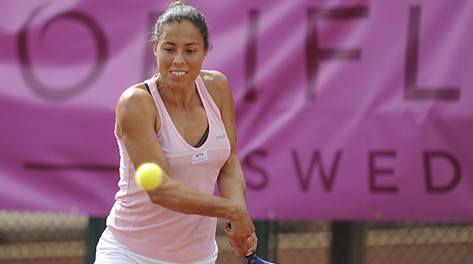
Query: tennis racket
pixel 252 258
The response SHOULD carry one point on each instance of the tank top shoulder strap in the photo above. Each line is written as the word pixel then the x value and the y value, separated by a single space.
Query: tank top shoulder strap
pixel 205 95
pixel 153 90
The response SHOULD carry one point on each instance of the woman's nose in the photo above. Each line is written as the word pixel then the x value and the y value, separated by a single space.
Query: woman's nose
pixel 179 58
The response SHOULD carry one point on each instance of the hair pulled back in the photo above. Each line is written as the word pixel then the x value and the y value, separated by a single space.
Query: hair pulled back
pixel 179 11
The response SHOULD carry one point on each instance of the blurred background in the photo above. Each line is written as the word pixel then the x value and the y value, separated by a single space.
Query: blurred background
pixel 354 120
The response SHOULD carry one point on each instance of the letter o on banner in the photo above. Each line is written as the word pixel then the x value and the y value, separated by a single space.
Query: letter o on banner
pixel 69 91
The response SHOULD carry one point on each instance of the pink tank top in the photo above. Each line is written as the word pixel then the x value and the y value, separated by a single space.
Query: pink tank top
pixel 155 231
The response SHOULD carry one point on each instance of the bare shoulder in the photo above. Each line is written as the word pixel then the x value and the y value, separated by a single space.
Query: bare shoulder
pixel 217 85
pixel 213 76
pixel 136 96
pixel 135 92
pixel 214 80
pixel 135 103
pixel 135 109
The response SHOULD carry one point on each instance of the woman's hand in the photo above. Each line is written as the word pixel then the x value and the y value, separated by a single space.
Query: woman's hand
pixel 242 237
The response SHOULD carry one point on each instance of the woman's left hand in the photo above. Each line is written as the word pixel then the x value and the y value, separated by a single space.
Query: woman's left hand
pixel 242 244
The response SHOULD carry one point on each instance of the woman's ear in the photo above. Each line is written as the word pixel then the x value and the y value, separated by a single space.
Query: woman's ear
pixel 155 47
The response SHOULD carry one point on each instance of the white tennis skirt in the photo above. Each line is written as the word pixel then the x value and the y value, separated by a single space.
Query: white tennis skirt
pixel 110 251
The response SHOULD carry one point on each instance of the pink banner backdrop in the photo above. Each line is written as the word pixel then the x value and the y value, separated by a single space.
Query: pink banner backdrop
pixel 357 110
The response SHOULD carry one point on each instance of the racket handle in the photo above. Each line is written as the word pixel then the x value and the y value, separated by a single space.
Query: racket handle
pixel 250 259
pixel 254 259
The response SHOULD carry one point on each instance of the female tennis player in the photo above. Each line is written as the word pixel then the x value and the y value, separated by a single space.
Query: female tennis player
pixel 182 119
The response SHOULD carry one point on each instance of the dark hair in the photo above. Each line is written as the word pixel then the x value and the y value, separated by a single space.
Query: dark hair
pixel 178 11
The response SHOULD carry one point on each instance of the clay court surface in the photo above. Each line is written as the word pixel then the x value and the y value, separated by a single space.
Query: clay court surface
pixel 49 238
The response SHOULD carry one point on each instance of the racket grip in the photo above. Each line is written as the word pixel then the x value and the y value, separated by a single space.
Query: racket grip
pixel 254 259
pixel 250 259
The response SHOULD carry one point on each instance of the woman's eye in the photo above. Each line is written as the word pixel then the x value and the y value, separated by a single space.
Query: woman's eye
pixel 190 51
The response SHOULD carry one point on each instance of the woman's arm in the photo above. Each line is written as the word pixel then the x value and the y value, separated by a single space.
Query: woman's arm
pixel 231 180
pixel 136 125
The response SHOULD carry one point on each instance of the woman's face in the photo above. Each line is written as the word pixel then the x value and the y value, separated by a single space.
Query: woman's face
pixel 179 53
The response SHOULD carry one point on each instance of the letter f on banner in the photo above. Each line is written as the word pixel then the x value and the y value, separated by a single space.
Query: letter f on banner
pixel 314 53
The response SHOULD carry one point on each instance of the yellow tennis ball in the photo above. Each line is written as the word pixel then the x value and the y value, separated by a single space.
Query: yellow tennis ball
pixel 149 176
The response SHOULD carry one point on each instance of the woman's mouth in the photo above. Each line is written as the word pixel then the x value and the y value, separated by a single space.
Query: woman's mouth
pixel 178 73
